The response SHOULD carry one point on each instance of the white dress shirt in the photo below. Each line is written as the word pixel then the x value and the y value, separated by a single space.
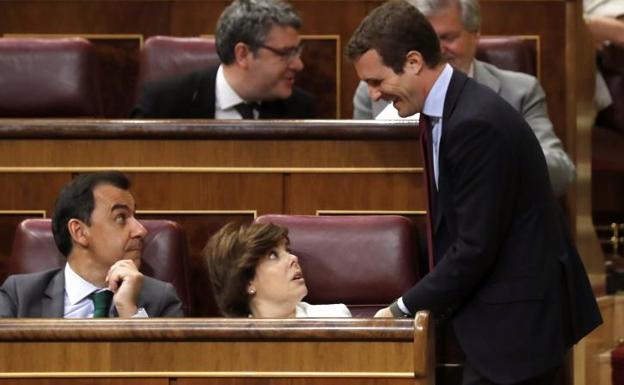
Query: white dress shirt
pixel 226 98
pixel 77 303
pixel 433 107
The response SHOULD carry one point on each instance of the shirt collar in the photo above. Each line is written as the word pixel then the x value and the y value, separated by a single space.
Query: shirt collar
pixel 434 103
pixel 225 96
pixel 471 70
pixel 76 287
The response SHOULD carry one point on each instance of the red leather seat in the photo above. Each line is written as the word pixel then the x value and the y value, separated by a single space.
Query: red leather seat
pixel 365 262
pixel 166 56
pixel 611 65
pixel 164 253
pixel 617 365
pixel 46 78
pixel 512 53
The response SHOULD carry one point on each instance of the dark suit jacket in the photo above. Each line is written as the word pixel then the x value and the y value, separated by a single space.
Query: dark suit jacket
pixel 41 294
pixel 193 96
pixel 507 275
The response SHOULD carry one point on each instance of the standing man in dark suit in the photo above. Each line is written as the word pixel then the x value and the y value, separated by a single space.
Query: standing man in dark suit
pixel 260 51
pixel 95 228
pixel 503 269
pixel 457 24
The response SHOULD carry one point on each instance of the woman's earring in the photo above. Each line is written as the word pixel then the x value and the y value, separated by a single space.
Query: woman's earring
pixel 251 291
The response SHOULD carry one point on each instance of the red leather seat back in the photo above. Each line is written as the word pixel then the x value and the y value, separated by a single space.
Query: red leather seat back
pixel 167 56
pixel 165 254
pixel 611 65
pixel 46 78
pixel 365 262
pixel 512 53
pixel 617 365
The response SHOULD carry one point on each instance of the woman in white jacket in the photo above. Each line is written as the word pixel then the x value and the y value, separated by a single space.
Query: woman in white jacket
pixel 253 274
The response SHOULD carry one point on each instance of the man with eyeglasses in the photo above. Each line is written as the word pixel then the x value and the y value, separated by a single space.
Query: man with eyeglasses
pixel 260 50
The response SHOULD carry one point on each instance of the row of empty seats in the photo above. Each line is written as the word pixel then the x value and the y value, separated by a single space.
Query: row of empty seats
pixel 364 262
pixel 60 77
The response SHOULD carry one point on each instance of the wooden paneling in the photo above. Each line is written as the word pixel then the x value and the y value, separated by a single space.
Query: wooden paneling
pixel 342 18
pixel 206 191
pixel 238 349
pixel 31 191
pixel 552 33
pixel 295 381
pixel 82 381
pixel 307 193
pixel 321 58
pixel 75 16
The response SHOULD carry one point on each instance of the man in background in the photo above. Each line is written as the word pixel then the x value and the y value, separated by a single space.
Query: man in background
pixel 259 47
pixel 457 24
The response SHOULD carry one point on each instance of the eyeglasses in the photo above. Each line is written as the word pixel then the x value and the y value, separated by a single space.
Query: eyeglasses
pixel 286 53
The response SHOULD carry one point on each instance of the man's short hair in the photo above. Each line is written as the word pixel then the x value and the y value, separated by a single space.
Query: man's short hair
pixel 232 255
pixel 76 201
pixel 249 22
pixel 393 29
pixel 469 10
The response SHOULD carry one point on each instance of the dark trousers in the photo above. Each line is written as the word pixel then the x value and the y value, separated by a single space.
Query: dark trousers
pixel 470 376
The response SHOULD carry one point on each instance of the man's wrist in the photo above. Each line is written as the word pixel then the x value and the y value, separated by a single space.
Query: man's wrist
pixel 396 311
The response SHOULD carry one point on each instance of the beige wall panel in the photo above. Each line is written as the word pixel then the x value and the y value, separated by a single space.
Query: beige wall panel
pixel 82 381
pixel 30 191
pixel 296 381
pixel 198 191
pixel 307 193
pixel 208 153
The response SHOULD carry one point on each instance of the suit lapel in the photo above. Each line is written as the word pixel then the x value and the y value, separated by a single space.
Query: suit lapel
pixel 52 303
pixel 203 97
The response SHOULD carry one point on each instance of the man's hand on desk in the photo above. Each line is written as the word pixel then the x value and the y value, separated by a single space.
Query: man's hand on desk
pixel 384 313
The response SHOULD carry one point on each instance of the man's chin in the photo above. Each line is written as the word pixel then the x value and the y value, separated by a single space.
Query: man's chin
pixel 285 93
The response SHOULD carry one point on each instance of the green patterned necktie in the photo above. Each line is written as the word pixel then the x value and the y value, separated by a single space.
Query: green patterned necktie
pixel 101 303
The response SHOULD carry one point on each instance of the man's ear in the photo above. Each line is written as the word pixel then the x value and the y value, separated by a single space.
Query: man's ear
pixel 79 232
pixel 242 54
pixel 414 62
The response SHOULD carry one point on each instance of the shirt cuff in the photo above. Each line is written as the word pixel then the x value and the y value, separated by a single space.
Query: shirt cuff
pixel 141 313
pixel 402 306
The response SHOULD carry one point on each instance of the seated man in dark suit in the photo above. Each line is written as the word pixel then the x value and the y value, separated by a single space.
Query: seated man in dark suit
pixel 95 228
pixel 260 50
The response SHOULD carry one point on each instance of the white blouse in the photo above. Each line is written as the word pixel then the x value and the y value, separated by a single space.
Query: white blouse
pixel 304 309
